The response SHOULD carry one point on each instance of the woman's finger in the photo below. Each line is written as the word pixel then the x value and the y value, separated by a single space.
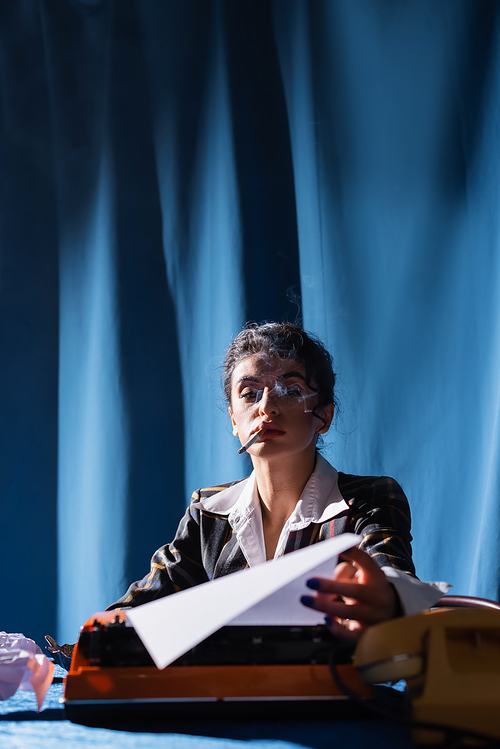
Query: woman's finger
pixel 363 562
pixel 362 612
pixel 357 590
pixel 342 629
pixel 344 571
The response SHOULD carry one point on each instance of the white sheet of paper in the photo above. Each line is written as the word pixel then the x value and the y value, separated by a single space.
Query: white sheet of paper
pixel 266 594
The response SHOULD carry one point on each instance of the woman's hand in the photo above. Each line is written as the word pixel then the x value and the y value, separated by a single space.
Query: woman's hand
pixel 357 596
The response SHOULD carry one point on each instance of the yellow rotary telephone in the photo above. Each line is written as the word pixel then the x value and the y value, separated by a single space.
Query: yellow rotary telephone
pixel 450 659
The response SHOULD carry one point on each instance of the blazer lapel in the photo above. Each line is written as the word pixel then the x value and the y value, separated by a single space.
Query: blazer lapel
pixel 231 559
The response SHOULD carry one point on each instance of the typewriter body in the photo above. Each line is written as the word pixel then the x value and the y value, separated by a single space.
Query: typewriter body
pixel 238 672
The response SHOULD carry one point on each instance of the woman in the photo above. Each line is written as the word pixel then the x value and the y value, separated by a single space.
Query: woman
pixel 279 384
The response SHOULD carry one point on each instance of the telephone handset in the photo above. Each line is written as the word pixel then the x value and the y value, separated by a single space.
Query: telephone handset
pixel 450 659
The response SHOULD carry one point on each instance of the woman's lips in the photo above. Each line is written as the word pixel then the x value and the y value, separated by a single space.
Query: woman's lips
pixel 271 431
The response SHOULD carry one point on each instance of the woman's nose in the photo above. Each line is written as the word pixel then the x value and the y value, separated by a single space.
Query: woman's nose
pixel 268 403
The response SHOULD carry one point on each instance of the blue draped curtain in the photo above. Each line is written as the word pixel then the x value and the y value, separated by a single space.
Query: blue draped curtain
pixel 172 169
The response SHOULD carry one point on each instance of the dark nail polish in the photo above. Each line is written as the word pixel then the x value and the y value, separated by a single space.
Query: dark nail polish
pixel 307 601
pixel 313 583
pixel 328 621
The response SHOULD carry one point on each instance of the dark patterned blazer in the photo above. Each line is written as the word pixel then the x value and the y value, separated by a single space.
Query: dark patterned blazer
pixel 205 546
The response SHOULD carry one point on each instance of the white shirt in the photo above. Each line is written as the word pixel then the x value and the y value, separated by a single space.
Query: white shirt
pixel 319 502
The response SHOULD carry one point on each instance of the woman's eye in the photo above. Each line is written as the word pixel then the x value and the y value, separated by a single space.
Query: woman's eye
pixel 294 392
pixel 251 395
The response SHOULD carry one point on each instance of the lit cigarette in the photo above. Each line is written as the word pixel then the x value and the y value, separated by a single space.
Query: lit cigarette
pixel 250 442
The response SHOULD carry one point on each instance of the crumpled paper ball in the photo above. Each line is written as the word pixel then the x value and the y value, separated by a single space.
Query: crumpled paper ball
pixel 23 666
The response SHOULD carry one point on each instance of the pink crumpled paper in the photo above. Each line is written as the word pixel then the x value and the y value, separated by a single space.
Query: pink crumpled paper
pixel 23 666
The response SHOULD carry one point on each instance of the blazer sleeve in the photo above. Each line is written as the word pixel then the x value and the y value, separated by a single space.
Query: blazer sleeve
pixel 174 567
pixel 380 513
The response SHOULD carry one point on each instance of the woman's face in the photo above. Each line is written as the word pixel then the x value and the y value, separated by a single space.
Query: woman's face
pixel 273 394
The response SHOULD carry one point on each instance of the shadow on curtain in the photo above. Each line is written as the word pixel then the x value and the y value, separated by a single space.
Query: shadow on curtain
pixel 171 170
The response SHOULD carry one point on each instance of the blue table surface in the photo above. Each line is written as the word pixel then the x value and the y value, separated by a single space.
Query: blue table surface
pixel 21 727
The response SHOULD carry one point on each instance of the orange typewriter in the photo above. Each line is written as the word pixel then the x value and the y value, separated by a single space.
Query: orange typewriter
pixel 238 672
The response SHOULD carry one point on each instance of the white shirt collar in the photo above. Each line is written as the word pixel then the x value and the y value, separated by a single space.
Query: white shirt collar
pixel 319 502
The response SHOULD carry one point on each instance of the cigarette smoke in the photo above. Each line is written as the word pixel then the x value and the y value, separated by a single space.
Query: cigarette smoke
pixel 289 393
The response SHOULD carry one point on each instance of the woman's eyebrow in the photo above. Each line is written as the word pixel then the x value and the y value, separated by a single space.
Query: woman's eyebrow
pixel 292 374
pixel 286 376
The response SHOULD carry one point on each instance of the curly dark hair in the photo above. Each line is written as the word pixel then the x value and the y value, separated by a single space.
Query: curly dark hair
pixel 284 341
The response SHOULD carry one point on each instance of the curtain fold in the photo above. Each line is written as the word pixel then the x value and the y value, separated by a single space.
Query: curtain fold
pixel 92 429
pixel 171 170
